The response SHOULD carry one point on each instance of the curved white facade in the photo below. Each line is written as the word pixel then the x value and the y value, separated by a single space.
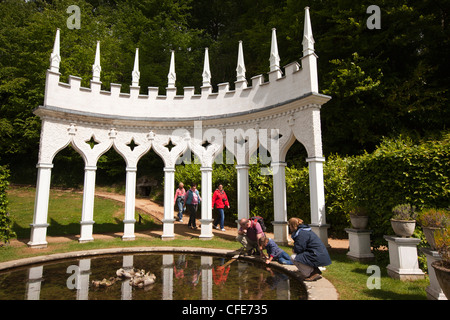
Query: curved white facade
pixel 271 114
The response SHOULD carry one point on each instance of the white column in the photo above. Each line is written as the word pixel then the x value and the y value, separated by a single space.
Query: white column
pixel 39 225
pixel 242 192
pixel 206 220
pixel 33 291
pixel 130 202
pixel 167 291
pixel 317 198
pixel 280 225
pixel 169 194
pixel 207 277
pixel 87 214
pixel 83 279
pixel 126 288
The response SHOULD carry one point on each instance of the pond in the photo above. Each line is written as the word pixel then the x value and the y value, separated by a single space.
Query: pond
pixel 169 277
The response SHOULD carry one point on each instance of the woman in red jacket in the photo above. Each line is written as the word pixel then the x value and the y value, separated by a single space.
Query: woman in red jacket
pixel 220 200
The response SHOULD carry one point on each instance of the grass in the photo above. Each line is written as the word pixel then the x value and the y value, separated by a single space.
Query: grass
pixel 64 213
pixel 349 277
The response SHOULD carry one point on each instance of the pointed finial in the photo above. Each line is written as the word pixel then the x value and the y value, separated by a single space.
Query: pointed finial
pixel 308 40
pixel 96 68
pixel 240 70
pixel 55 57
pixel 206 71
pixel 274 56
pixel 172 76
pixel 136 74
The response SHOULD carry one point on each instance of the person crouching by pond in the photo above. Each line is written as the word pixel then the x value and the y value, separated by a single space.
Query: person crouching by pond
pixel 192 200
pixel 309 251
pixel 274 251
pixel 249 233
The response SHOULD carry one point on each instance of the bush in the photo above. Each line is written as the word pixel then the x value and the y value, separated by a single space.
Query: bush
pixel 404 212
pixel 434 218
pixel 6 232
pixel 401 172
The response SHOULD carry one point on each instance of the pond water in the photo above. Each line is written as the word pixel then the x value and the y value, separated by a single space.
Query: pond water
pixel 176 277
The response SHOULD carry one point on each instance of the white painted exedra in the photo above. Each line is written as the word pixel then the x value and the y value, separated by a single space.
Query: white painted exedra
pixel 272 115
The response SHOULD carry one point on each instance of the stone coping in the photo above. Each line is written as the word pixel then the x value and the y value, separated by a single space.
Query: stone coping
pixel 318 290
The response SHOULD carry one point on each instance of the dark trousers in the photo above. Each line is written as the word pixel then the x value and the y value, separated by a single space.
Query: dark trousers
pixel 192 208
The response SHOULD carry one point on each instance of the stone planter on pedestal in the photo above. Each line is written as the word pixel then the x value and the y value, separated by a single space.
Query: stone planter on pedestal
pixel 434 290
pixel 403 228
pixel 403 262
pixel 443 277
pixel 359 222
pixel 429 236
pixel 359 243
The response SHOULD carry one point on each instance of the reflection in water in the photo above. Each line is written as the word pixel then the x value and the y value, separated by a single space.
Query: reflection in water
pixel 178 277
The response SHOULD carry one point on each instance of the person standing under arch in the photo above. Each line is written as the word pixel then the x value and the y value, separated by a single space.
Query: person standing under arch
pixel 220 200
pixel 179 200
pixel 192 200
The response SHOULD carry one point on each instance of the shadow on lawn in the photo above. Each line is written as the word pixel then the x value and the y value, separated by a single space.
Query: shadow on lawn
pixel 71 231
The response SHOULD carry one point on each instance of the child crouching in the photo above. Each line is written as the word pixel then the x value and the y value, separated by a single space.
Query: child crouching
pixel 274 252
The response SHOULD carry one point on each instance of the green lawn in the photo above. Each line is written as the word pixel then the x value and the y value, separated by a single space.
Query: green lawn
pixel 347 276
pixel 350 279
pixel 64 213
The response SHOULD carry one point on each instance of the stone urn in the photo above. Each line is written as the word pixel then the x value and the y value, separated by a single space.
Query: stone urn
pixel 429 235
pixel 443 277
pixel 403 228
pixel 359 222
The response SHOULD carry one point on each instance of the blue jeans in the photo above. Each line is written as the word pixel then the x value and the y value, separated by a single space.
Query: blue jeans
pixel 220 218
pixel 284 258
pixel 180 205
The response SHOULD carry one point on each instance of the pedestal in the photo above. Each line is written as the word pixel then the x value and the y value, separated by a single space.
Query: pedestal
pixel 359 243
pixel 403 262
pixel 434 291
pixel 86 231
pixel 168 229
pixel 322 232
pixel 280 232
pixel 206 229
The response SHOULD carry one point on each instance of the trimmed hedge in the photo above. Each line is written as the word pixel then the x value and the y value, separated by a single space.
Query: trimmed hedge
pixel 401 172
pixel 6 232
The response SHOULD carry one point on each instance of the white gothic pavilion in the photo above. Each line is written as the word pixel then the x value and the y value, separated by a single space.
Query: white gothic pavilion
pixel 290 103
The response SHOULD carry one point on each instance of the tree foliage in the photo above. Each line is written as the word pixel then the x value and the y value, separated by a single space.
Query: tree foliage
pixel 385 83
